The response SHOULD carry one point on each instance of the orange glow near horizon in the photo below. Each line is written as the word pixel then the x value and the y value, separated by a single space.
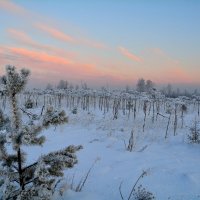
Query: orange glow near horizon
pixel 47 67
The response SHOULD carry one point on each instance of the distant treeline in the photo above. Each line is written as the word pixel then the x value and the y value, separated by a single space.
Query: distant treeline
pixel 142 85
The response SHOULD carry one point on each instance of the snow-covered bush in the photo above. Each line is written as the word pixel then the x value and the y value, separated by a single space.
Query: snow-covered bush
pixel 29 104
pixel 194 135
pixel 19 181
pixel 74 111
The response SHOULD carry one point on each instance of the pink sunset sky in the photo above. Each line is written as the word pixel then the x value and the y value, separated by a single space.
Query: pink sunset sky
pixel 104 43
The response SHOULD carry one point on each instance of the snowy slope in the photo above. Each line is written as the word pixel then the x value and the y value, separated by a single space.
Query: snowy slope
pixel 172 164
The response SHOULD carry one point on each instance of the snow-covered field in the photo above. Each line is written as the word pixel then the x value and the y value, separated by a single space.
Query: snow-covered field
pixel 104 129
pixel 172 164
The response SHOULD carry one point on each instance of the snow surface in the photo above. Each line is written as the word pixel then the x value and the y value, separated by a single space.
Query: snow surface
pixel 172 164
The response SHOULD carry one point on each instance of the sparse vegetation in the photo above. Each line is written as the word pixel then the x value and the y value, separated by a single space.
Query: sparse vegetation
pixel 36 110
pixel 194 135
pixel 138 193
pixel 142 194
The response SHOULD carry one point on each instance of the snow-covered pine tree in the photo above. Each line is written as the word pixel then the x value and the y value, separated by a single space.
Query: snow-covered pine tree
pixel 19 181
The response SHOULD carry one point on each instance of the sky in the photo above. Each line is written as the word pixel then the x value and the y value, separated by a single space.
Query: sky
pixel 104 43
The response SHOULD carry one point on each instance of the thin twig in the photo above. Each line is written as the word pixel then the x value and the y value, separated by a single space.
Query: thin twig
pixel 31 181
pixel 120 190
pixel 72 183
pixel 141 176
pixel 125 144
pixel 82 183
pixel 27 113
pixel 42 110
pixel 54 189
pixel 162 115
pixel 29 166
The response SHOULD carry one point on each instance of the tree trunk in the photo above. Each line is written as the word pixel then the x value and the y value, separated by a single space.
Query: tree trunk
pixel 16 123
pixel 19 160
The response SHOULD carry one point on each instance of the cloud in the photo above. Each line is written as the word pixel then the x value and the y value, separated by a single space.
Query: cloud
pixel 45 25
pixel 36 59
pixel 12 7
pixel 160 67
pixel 22 37
pixel 125 52
pixel 26 40
pixel 50 62
pixel 55 33
pixel 39 56
pixel 46 68
pixel 177 74
pixel 60 35
pixel 19 55
pixel 93 44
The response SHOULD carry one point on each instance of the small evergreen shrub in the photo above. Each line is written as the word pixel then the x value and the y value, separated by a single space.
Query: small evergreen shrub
pixel 18 179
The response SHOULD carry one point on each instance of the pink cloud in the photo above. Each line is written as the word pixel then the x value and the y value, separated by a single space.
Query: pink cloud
pixel 57 64
pixel 60 35
pixel 46 25
pixel 159 66
pixel 55 33
pixel 93 44
pixel 177 74
pixel 12 7
pixel 25 39
pixel 129 55
pixel 46 68
pixel 40 56
pixel 21 36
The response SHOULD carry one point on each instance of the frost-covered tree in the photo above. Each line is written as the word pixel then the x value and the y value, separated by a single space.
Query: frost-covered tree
pixel 49 86
pixel 169 90
pixel 140 87
pixel 18 180
pixel 149 85
pixel 84 85
pixel 63 84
